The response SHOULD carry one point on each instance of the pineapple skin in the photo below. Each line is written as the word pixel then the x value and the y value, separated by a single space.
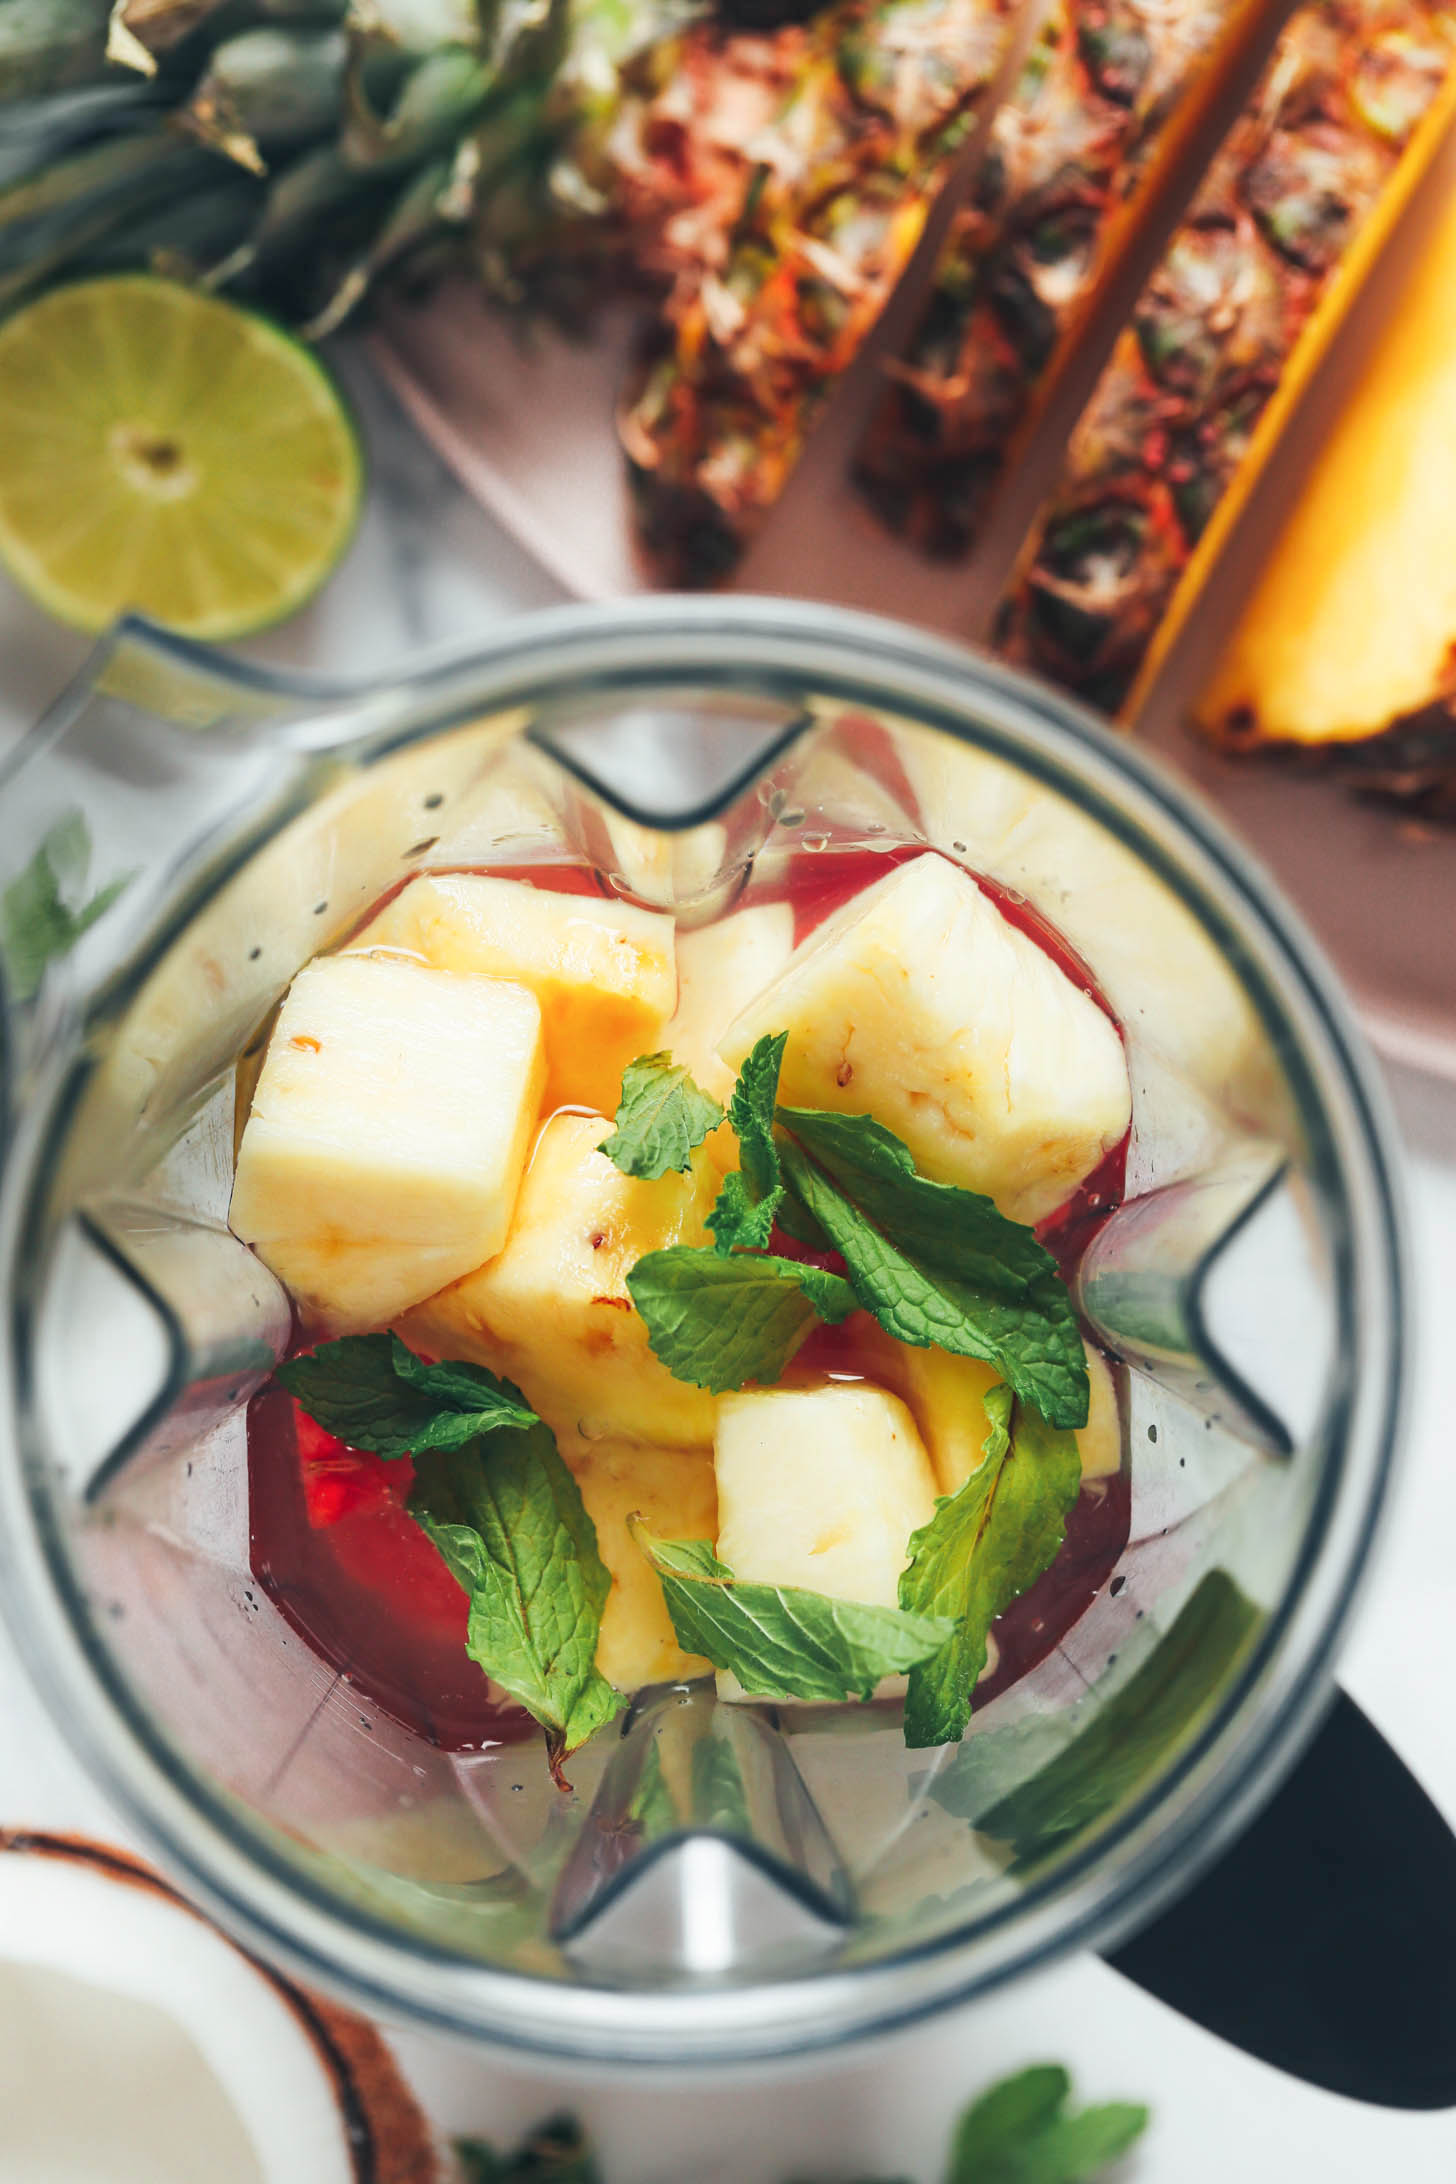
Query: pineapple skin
pixel 1223 338
pixel 387 1135
pixel 603 972
pixel 921 1005
pixel 675 1493
pixel 551 1311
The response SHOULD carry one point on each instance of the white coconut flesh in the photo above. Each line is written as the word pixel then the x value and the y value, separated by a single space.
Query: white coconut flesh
pixel 137 2045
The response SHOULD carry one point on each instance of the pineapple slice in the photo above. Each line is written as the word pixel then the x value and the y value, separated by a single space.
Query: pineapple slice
pixel 388 1132
pixel 552 1312
pixel 948 1397
pixel 1353 621
pixel 675 1493
pixel 603 972
pixel 919 1004
pixel 821 1487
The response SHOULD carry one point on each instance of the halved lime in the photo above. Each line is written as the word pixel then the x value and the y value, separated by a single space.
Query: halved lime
pixel 166 452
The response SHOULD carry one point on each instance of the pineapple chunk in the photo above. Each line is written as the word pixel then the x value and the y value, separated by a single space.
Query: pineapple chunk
pixel 821 1487
pixel 552 1312
pixel 1353 622
pixel 721 969
pixel 388 1132
pixel 948 1397
pixel 676 1495
pixel 603 972
pixel 919 1004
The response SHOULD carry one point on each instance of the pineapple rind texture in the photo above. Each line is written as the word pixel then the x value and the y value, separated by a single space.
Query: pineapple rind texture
pixel 388 1134
pixel 551 1311
pixel 604 972
pixel 920 1004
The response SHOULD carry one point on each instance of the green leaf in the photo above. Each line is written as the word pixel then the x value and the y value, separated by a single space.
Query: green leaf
pixel 743 1218
pixel 980 1551
pixel 373 1392
pixel 1020 2133
pixel 778 1641
pixel 719 1798
pixel 557 2152
pixel 663 1116
pixel 938 1265
pixel 719 1323
pixel 509 1519
pixel 38 919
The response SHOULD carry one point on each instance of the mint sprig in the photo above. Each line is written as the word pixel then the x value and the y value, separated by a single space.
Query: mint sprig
pixel 41 917
pixel 373 1392
pixel 743 1218
pixel 937 1265
pixel 719 1323
pixel 979 1552
pixel 509 1519
pixel 661 1120
pixel 1021 2132
pixel 780 1641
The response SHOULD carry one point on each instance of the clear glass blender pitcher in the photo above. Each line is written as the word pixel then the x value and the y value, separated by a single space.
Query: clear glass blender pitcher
pixel 721 1880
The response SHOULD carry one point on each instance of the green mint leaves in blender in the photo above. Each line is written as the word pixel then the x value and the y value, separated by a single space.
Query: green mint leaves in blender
pixel 44 910
pixel 661 1120
pixel 938 1266
pixel 781 1642
pixel 743 1218
pixel 508 1518
pixel 1021 2132
pixel 980 1551
pixel 556 2152
pixel 719 1323
pixel 373 1392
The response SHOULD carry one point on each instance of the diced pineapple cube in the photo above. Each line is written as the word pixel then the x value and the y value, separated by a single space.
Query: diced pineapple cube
pixel 675 1494
pixel 388 1132
pixel 602 971
pixel 721 968
pixel 920 1004
pixel 552 1312
pixel 948 1397
pixel 821 1487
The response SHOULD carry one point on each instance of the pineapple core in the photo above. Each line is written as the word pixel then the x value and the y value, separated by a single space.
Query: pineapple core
pixel 603 972
pixel 387 1135
pixel 920 1004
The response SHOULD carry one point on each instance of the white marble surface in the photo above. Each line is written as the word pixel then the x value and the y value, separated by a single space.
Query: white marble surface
pixel 427 570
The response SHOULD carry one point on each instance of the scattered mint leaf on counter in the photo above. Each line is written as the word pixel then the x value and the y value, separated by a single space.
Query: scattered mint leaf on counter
pixel 40 918
pixel 938 1266
pixel 719 1323
pixel 661 1119
pixel 508 1518
pixel 979 1552
pixel 373 1392
pixel 556 2152
pixel 779 1641
pixel 1021 2132
pixel 743 1218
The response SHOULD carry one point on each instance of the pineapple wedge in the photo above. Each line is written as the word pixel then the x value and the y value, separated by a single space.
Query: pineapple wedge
pixel 603 972
pixel 919 1004
pixel 1353 622
pixel 948 1398
pixel 552 1312
pixel 821 1487
pixel 675 1493
pixel 387 1135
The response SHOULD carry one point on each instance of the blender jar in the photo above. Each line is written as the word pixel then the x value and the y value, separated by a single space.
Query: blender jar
pixel 721 1880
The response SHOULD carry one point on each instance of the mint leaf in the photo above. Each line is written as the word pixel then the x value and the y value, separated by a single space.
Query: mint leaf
pixel 662 1117
pixel 373 1392
pixel 743 1218
pixel 1020 2133
pixel 509 1519
pixel 38 920
pixel 938 1265
pixel 557 2152
pixel 778 1641
pixel 980 1551
pixel 718 1323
